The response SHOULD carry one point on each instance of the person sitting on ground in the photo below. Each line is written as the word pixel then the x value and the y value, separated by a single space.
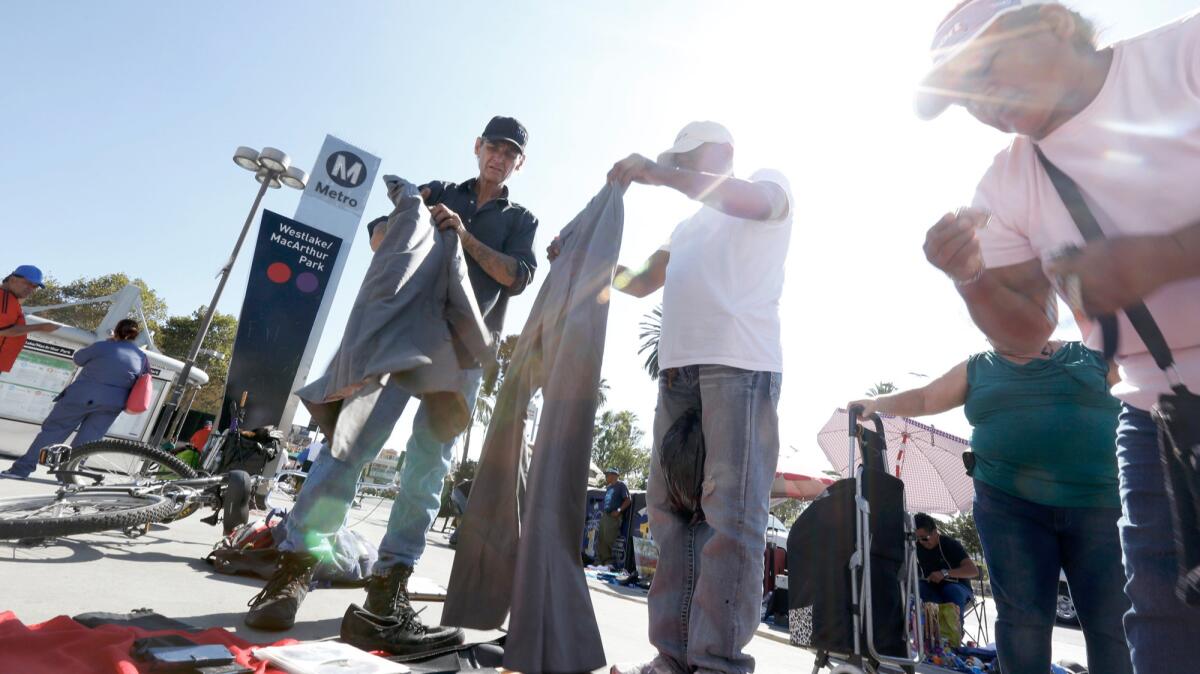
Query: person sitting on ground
pixel 1046 493
pixel 89 405
pixel 616 502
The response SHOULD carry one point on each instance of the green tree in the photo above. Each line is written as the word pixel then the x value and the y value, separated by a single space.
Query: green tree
pixel 88 316
pixel 789 510
pixel 617 443
pixel 881 389
pixel 175 338
pixel 962 527
pixel 650 335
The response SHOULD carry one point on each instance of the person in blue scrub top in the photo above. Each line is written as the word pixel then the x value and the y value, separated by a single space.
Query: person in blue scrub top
pixel 91 403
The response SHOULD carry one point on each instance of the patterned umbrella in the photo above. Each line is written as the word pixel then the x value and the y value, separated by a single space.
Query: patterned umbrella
pixel 800 487
pixel 927 460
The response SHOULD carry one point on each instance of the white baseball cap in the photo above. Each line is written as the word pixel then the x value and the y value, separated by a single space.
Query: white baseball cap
pixel 696 134
pixel 954 34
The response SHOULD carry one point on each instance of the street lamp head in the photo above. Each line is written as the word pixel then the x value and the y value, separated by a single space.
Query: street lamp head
pixel 263 174
pixel 246 157
pixel 273 160
pixel 294 178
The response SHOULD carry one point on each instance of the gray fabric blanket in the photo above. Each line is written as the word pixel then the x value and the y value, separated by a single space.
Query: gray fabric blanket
pixel 415 319
pixel 519 547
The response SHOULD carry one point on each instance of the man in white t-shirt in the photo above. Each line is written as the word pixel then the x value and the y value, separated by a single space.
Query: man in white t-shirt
pixel 1124 123
pixel 719 353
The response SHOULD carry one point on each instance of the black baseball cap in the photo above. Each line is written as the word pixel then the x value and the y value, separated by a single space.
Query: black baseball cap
pixel 507 129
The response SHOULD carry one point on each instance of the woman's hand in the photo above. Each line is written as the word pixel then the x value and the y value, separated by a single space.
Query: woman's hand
pixel 869 407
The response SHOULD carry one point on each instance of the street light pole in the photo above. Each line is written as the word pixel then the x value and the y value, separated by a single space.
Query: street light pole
pixel 272 169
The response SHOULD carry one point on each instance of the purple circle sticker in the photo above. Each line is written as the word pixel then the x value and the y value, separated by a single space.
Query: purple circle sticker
pixel 306 281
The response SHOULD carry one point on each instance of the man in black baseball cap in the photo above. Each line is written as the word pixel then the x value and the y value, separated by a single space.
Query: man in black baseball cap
pixel 497 239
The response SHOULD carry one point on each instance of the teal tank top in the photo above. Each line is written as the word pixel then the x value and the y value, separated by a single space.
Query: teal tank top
pixel 1045 431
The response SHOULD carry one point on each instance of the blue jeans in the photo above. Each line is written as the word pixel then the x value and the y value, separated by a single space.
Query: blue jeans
pixel 1026 544
pixel 91 419
pixel 321 509
pixel 1163 631
pixel 958 594
pixel 706 595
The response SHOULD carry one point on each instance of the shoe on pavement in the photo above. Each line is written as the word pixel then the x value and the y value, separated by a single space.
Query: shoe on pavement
pixel 13 475
pixel 275 607
pixel 661 664
pixel 402 634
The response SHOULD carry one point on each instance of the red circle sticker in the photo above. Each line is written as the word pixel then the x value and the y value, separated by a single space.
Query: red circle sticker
pixel 279 272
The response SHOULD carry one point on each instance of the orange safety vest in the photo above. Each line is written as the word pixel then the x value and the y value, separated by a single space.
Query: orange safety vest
pixel 10 315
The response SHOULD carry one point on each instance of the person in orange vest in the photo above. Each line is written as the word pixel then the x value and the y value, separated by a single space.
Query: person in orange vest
pixel 15 287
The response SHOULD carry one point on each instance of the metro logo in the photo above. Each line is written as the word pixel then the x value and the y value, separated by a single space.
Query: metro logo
pixel 346 169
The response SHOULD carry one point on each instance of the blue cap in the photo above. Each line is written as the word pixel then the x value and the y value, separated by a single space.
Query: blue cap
pixel 612 471
pixel 30 273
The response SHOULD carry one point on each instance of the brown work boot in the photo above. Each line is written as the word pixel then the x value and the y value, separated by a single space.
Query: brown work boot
pixel 388 593
pixel 275 607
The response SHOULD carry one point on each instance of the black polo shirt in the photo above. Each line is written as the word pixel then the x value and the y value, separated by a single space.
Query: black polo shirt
pixel 501 225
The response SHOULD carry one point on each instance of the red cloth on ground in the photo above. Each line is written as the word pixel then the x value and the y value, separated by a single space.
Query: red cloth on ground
pixel 61 645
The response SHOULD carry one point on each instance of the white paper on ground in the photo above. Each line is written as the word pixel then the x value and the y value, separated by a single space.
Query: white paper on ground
pixel 327 657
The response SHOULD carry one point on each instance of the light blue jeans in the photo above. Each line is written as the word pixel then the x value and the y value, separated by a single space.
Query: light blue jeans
pixel 706 596
pixel 325 499
pixel 1163 632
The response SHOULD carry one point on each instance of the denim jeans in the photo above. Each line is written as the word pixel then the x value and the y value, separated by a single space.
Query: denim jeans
pixel 706 595
pixel 331 484
pixel 958 594
pixel 89 421
pixel 1025 544
pixel 1163 631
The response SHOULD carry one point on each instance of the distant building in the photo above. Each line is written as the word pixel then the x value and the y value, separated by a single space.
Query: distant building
pixel 385 467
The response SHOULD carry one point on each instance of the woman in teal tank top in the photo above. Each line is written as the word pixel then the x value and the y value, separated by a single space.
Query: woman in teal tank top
pixel 1046 493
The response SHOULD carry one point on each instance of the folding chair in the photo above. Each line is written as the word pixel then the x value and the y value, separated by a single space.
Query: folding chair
pixel 975 615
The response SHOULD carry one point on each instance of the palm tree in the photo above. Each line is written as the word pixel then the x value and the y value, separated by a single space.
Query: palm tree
pixel 602 393
pixel 882 388
pixel 651 326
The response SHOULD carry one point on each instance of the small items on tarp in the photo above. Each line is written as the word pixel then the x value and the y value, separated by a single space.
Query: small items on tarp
pixel 65 645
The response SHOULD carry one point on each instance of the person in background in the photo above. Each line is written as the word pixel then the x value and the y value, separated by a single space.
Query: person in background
pixel 945 564
pixel 616 502
pixel 200 437
pixel 1046 494
pixel 90 404
pixel 18 285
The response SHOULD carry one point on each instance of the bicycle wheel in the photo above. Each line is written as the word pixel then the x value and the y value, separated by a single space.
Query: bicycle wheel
pixel 79 513
pixel 124 462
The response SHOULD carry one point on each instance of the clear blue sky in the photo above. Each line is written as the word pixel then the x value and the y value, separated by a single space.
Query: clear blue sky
pixel 119 120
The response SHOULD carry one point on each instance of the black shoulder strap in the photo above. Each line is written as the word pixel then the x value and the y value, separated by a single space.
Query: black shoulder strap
pixel 1138 314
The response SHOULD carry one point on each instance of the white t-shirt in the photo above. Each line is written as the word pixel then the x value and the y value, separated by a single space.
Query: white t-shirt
pixel 724 280
pixel 1135 154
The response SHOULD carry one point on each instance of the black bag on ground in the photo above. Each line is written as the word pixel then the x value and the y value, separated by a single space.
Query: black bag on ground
pixel 682 460
pixel 1177 413
pixel 250 451
pixel 819 548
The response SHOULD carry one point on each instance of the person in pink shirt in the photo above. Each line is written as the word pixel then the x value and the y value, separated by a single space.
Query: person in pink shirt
pixel 1123 122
